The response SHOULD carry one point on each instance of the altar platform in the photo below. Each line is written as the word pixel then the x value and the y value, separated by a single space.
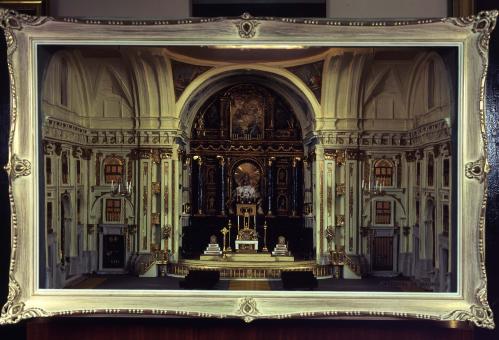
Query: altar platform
pixel 247 257
pixel 265 268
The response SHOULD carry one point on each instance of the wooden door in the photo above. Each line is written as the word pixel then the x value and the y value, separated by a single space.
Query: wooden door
pixel 382 253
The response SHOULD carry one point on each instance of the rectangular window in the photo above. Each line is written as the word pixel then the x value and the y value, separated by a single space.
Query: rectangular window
pixel 417 212
pixel 48 170
pixel 445 219
pixel 418 174
pixel 49 217
pixel 383 212
pixel 65 168
pixel 430 170
pixel 78 171
pixel 113 210
pixel 446 172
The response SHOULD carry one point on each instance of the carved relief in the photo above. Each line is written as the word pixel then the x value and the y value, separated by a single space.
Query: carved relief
pixel 247 26
pixel 477 169
pixel 18 167
pixel 248 309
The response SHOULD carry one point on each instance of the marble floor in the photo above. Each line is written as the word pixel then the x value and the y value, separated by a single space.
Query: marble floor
pixel 376 284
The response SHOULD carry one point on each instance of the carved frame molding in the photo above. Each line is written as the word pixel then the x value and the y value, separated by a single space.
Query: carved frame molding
pixel 27 301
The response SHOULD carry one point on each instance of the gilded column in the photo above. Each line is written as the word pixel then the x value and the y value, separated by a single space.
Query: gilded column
pixel 221 160
pixel 200 184
pixel 270 185
pixel 319 201
pixel 295 185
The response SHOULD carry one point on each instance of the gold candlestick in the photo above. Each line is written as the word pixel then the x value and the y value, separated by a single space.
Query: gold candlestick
pixel 229 226
pixel 224 232
pixel 265 237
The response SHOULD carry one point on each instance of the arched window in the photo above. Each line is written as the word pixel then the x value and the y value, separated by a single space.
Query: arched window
pixel 113 170
pixel 383 173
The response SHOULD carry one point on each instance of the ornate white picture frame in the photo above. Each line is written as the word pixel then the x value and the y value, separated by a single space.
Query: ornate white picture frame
pixel 25 34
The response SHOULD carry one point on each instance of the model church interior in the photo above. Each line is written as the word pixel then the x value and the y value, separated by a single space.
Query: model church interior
pixel 294 167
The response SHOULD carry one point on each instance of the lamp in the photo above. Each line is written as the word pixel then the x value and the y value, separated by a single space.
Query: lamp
pixel 121 190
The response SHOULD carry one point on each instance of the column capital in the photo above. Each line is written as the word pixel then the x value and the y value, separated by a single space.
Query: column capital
pixel 221 160
pixel 271 160
pixel 198 159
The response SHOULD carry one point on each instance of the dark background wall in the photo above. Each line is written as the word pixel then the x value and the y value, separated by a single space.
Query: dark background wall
pixel 140 328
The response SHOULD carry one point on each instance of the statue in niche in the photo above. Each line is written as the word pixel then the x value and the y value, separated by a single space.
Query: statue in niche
pixel 211 175
pixel 281 176
pixel 199 125
pixel 211 203
pixel 247 177
pixel 281 203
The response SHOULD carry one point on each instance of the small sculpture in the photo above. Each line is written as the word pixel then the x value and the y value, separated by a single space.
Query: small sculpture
pixel 213 247
pixel 281 248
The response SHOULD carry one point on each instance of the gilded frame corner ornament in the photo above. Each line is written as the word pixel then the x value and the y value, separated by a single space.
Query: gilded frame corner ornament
pixel 26 301
pixel 14 310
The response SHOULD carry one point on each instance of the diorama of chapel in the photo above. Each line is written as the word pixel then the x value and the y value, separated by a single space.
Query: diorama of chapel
pixel 250 162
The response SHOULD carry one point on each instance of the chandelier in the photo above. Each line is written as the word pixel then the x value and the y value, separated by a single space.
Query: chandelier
pixel 375 187
pixel 123 190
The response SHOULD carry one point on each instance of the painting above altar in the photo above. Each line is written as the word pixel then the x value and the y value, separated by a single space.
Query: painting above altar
pixel 247 112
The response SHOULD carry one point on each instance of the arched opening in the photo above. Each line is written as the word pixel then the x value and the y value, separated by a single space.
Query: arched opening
pixel 114 170
pixel 293 91
pixel 245 146
pixel 383 173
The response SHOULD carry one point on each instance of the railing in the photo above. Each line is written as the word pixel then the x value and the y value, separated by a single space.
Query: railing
pixel 146 261
pixel 340 258
pixel 182 269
